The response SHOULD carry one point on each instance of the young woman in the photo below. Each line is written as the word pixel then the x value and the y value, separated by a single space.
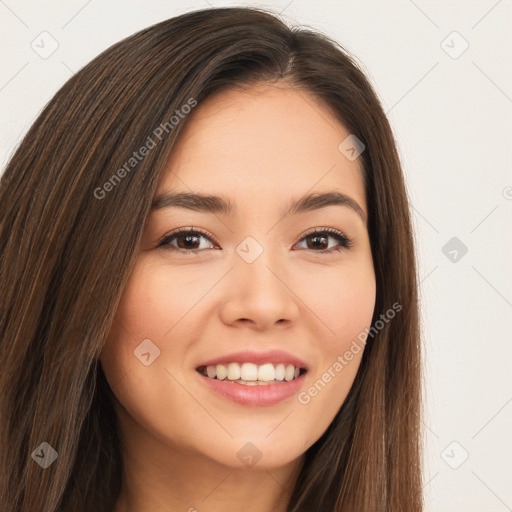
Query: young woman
pixel 209 294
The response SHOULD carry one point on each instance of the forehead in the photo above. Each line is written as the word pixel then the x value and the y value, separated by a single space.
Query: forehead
pixel 268 142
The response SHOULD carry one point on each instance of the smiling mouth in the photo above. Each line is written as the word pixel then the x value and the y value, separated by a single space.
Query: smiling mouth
pixel 250 374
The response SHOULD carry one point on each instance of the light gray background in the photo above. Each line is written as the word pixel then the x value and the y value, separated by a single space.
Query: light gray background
pixel 452 119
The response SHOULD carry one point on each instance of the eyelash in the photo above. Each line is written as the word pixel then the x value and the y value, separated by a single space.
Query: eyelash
pixel 344 241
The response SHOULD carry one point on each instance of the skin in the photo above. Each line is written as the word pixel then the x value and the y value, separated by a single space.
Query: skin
pixel 261 148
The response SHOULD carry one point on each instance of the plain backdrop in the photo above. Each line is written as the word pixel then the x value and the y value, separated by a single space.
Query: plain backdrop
pixel 442 71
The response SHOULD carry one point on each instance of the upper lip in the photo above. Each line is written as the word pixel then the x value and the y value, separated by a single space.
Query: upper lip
pixel 248 356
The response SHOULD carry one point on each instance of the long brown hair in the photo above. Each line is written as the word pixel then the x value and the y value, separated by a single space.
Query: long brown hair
pixel 67 251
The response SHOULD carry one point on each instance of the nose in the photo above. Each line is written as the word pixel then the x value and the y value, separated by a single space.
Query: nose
pixel 259 295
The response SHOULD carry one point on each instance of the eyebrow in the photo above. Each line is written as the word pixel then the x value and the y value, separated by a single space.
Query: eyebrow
pixel 216 204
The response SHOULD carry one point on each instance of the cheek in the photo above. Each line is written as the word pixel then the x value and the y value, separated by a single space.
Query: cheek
pixel 155 301
pixel 145 312
pixel 348 310
pixel 157 305
pixel 348 307
pixel 145 385
pixel 342 300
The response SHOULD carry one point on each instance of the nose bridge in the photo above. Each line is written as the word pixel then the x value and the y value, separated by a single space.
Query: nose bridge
pixel 256 265
pixel 259 290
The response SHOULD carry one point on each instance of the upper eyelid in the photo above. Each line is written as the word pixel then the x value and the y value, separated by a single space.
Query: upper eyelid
pixel 190 229
pixel 322 230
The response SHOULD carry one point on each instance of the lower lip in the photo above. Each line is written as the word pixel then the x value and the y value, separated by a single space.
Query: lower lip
pixel 257 396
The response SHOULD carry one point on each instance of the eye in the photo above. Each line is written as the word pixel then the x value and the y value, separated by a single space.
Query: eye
pixel 187 239
pixel 320 239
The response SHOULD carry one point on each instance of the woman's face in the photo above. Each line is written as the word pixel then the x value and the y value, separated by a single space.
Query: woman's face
pixel 254 286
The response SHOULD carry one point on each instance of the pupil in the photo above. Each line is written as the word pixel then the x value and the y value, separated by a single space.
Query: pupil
pixel 188 239
pixel 318 238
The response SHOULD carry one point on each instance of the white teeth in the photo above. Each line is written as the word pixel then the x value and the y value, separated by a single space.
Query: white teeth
pixel 266 372
pixel 233 371
pixel 249 371
pixel 252 374
pixel 289 373
pixel 222 372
